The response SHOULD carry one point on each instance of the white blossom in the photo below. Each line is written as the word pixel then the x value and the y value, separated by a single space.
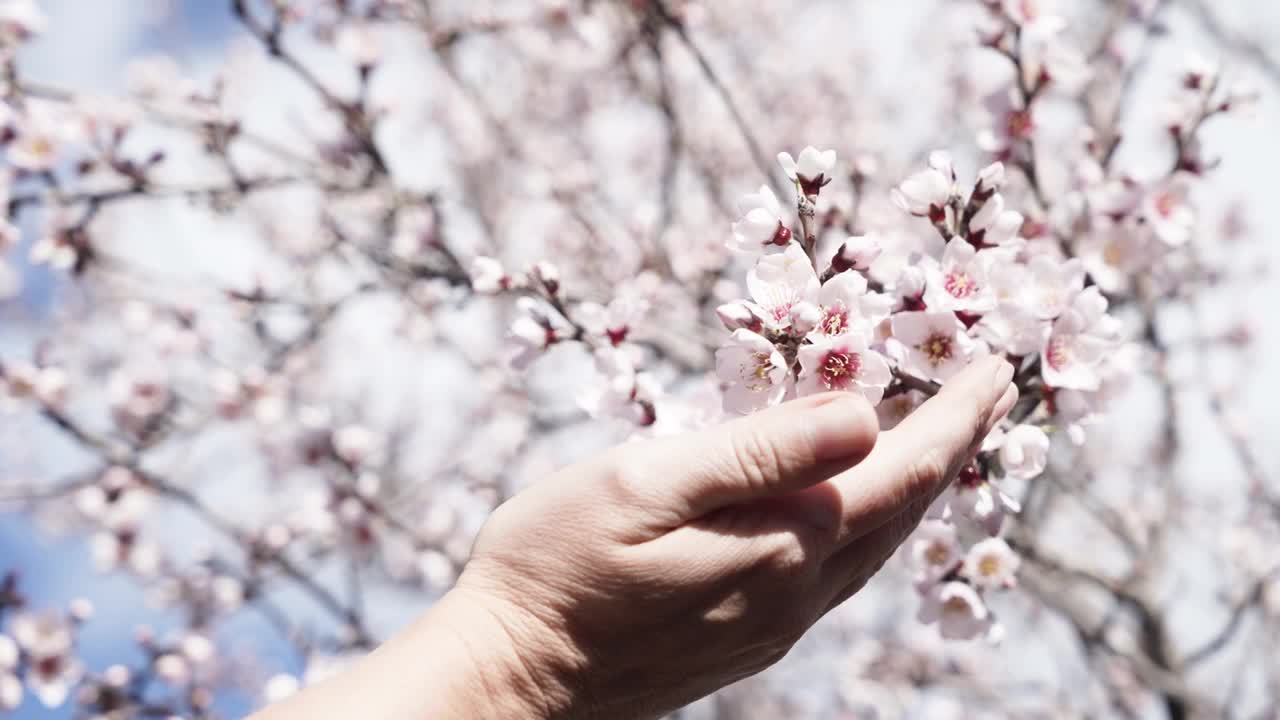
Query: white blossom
pixel 1025 452
pixel 755 371
pixel 991 564
pixel 957 609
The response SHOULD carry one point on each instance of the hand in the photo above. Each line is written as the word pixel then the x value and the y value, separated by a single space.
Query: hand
pixel 638 581
pixel 643 579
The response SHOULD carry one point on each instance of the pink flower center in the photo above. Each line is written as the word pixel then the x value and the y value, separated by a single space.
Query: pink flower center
pixel 49 666
pixel 617 335
pixel 839 369
pixel 1165 204
pixel 813 186
pixel 1058 353
pixel 937 348
pixel 759 379
pixel 1018 124
pixel 959 284
pixel 937 554
pixel 835 320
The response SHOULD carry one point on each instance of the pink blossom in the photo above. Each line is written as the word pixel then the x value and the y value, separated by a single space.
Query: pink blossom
pixel 812 171
pixel 537 327
pixel 982 502
pixel 47 640
pixel 957 609
pixel 42 134
pixel 843 362
pixel 611 324
pixel 47 385
pixel 360 43
pixel 620 390
pixel 858 252
pixel 740 314
pixel 761 225
pixel 487 275
pixel 1168 214
pixel 935 551
pixel 991 564
pixel 928 192
pixel 1025 452
pixel 935 343
pixel 1078 342
pixel 959 281
pixel 780 282
pixel 845 306
pixel 755 371
pixel 20 20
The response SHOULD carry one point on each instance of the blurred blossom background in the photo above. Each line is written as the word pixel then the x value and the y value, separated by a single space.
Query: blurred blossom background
pixel 259 392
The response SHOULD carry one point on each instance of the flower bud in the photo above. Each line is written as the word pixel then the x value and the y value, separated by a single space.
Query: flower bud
pixel 548 275
pixel 739 315
pixel 988 213
pixel 991 177
pixel 805 316
pixel 1025 452
pixel 172 669
pixel 910 282
pixel 940 160
pixel 858 253
pixel 1005 228
pixel 487 275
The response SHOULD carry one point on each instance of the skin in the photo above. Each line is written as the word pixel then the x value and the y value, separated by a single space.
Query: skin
pixel 644 578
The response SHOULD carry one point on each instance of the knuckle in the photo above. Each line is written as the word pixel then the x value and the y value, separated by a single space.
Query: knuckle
pixel 926 472
pixel 756 458
pixel 788 559
pixel 623 480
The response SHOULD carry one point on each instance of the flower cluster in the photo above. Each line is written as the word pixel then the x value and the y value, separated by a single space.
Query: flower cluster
pixel 38 648
pixel 816 323
pixel 318 308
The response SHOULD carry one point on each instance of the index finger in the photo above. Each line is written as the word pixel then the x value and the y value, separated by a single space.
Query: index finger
pixel 923 454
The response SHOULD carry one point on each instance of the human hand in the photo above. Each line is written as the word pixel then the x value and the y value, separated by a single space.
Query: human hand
pixel 635 582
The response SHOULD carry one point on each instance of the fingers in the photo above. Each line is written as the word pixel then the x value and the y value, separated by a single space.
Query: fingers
pixel 774 452
pixel 919 458
pixel 851 567
pixel 846 572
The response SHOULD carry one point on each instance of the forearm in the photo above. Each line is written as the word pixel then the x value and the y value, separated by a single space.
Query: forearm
pixel 457 660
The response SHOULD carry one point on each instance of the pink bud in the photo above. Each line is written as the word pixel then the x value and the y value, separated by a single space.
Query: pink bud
pixel 991 177
pixel 805 316
pixel 548 275
pixel 739 315
pixel 860 251
pixel 910 282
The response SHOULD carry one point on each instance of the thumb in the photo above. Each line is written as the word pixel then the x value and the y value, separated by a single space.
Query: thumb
pixel 777 451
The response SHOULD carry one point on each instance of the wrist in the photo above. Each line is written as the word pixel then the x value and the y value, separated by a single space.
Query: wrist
pixel 487 657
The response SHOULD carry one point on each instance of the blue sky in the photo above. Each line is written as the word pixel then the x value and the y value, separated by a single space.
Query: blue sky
pixel 85 49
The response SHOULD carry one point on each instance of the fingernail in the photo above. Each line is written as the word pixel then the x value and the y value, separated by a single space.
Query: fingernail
pixel 1003 375
pixel 843 426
